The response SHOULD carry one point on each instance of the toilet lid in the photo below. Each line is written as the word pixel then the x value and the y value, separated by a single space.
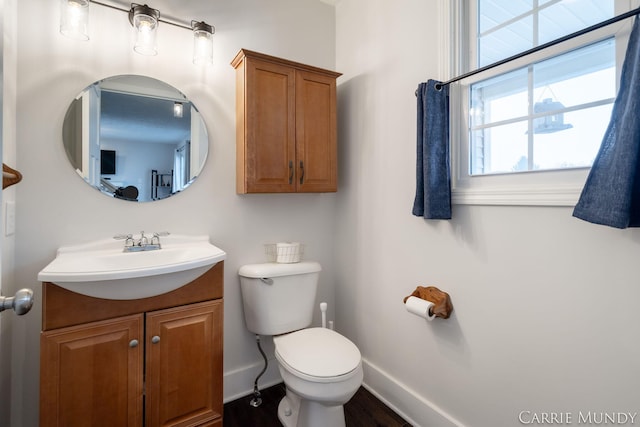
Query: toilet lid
pixel 318 352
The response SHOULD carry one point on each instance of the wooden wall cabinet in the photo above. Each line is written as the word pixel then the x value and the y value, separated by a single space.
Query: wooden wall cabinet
pixel 154 362
pixel 286 132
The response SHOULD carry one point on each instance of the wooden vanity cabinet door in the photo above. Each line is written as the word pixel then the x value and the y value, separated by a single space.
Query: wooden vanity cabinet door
pixel 268 154
pixel 316 132
pixel 91 375
pixel 184 365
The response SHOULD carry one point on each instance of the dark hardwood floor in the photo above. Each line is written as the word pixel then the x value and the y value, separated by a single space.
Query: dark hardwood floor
pixel 363 410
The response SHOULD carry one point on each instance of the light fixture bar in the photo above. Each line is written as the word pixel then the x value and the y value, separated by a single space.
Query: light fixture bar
pixel 164 20
pixel 145 20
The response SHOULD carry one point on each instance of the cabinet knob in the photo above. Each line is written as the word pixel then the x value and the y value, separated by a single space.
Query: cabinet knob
pixel 155 339
pixel 133 343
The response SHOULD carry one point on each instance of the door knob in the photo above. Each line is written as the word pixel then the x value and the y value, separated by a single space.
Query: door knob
pixel 21 302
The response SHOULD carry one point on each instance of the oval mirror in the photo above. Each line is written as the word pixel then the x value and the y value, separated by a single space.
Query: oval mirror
pixel 135 138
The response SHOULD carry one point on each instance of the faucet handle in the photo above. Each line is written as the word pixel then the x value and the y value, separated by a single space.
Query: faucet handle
pixel 155 240
pixel 128 239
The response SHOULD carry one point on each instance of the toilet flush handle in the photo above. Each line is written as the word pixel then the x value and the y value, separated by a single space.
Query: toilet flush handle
pixel 266 280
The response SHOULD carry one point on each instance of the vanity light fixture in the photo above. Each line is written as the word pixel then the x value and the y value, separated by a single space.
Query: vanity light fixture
pixel 202 43
pixel 145 22
pixel 74 19
pixel 178 109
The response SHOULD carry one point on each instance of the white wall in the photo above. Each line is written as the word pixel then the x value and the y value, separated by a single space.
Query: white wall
pixel 54 206
pixel 545 305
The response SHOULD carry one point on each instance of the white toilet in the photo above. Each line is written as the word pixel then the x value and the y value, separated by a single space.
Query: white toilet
pixel 321 369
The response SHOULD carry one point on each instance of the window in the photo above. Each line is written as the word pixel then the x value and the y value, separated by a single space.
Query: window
pixel 526 132
pixel 543 116
pixel 181 167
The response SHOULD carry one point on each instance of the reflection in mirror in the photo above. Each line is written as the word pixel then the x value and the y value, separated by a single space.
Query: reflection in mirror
pixel 135 138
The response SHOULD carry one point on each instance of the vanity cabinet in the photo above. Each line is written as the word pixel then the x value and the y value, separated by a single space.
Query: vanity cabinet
pixel 155 361
pixel 286 132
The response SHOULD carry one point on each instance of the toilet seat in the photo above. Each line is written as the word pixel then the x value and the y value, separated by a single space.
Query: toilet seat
pixel 318 354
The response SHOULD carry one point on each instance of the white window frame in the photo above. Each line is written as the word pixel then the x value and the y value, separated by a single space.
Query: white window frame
pixel 534 188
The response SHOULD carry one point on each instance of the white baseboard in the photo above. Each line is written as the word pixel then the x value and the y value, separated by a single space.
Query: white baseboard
pixel 415 409
pixel 239 382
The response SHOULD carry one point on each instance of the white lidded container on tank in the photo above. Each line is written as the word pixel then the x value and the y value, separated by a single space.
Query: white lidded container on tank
pixel 279 298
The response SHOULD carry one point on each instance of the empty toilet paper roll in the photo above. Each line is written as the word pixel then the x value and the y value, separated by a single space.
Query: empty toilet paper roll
pixel 419 307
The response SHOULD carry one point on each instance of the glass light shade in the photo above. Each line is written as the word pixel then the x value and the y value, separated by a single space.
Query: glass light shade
pixel 74 19
pixel 145 22
pixel 202 43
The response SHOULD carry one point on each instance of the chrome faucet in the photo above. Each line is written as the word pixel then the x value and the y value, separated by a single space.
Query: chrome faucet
pixel 143 243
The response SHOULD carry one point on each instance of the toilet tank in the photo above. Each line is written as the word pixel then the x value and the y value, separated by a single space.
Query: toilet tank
pixel 278 298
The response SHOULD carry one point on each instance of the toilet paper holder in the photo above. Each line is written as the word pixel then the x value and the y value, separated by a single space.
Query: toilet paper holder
pixel 442 306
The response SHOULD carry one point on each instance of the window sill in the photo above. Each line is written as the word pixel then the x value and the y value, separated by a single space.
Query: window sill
pixel 558 195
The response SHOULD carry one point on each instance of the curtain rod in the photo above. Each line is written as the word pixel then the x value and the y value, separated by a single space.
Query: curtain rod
pixel 541 47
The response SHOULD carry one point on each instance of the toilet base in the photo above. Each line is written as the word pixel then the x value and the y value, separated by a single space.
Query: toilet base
pixel 296 412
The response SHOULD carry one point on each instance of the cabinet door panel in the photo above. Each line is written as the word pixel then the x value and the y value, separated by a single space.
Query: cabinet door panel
pixel 91 375
pixel 270 133
pixel 316 132
pixel 184 366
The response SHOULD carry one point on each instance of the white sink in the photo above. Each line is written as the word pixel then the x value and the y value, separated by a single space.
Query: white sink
pixel 101 269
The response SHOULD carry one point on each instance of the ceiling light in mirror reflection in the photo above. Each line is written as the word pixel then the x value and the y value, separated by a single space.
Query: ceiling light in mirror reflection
pixel 178 109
